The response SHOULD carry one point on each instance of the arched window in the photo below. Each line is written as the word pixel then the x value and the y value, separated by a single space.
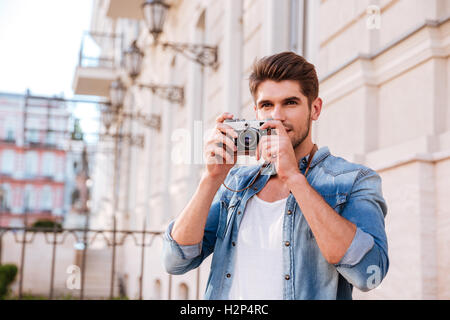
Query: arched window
pixel 183 291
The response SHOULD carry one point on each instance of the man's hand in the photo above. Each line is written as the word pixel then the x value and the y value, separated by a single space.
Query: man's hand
pixel 278 150
pixel 220 151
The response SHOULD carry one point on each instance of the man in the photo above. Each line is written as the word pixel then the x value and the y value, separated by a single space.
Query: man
pixel 313 230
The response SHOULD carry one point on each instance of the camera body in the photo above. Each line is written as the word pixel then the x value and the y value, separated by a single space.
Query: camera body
pixel 249 134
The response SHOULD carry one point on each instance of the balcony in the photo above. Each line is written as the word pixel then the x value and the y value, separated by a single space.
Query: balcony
pixel 99 59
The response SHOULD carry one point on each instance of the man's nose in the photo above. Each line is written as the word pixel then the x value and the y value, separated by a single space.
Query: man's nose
pixel 278 113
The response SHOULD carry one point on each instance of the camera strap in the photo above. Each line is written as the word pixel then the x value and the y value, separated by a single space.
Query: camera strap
pixel 265 164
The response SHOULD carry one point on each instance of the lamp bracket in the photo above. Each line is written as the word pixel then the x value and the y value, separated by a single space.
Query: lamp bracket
pixel 174 94
pixel 202 54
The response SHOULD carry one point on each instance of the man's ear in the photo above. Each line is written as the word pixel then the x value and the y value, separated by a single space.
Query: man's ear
pixel 316 108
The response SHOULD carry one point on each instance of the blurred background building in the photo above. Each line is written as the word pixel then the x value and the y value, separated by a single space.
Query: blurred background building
pixel 384 78
pixel 33 167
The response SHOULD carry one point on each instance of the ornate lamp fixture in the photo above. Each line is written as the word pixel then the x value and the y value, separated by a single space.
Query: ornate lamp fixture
pixel 133 66
pixel 133 60
pixel 117 92
pixel 155 13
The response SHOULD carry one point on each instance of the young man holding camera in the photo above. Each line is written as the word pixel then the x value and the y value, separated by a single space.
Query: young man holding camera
pixel 312 230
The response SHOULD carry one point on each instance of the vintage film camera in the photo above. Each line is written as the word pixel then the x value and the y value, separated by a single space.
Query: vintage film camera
pixel 249 134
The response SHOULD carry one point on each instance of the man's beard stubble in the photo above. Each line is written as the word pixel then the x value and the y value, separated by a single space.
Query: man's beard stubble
pixel 303 135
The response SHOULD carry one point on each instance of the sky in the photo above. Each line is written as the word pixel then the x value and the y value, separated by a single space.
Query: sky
pixel 39 46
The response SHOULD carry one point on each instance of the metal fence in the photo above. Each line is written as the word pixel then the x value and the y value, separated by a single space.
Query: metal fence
pixel 55 237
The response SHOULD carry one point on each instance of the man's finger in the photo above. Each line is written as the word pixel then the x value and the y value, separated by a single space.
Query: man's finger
pixel 274 124
pixel 226 129
pixel 218 155
pixel 223 116
pixel 221 139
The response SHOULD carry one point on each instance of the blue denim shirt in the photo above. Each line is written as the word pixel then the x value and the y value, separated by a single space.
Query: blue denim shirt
pixel 352 190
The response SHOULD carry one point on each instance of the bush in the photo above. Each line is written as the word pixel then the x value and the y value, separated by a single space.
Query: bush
pixel 48 225
pixel 8 274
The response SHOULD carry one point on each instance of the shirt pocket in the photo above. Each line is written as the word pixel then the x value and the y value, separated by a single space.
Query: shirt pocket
pixel 226 212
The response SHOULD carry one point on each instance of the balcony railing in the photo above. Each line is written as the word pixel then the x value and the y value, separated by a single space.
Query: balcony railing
pixel 100 50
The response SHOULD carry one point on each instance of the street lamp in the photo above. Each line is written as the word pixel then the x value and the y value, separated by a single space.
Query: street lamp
pixel 133 66
pixel 117 92
pixel 155 13
pixel 133 60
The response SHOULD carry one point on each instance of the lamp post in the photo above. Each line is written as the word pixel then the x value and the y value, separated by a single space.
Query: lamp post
pixel 155 13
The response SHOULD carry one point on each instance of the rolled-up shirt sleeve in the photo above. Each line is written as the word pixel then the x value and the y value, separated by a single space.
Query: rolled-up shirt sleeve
pixel 361 244
pixel 366 262
pixel 179 259
pixel 184 251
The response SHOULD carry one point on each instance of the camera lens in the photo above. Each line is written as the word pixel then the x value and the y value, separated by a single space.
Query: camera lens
pixel 248 139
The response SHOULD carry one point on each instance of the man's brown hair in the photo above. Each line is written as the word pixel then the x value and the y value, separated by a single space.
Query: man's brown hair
pixel 286 66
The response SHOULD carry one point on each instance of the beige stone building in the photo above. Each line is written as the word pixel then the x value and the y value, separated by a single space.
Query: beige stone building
pixel 384 78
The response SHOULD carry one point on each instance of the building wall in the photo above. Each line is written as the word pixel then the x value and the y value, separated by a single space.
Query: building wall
pixel 385 94
pixel 32 161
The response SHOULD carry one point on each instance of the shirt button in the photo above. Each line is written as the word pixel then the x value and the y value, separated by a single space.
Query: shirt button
pixel 228 275
pixel 287 277
pixel 289 212
pixel 233 243
pixel 287 243
pixel 239 212
pixel 304 160
pixel 255 188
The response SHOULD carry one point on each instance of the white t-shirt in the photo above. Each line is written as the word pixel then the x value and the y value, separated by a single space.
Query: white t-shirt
pixel 258 270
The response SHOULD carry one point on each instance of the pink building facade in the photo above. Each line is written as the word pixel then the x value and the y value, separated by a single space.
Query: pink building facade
pixel 32 159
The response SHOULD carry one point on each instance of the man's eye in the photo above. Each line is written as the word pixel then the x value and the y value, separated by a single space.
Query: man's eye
pixel 292 102
pixel 265 105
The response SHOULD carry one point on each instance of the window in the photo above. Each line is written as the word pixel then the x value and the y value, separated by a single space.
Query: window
pixel 7 162
pixel 50 138
pixel 46 203
pixel 9 125
pixel 5 197
pixel 303 38
pixel 33 135
pixel 29 198
pixel 31 163
pixel 295 31
pixel 48 163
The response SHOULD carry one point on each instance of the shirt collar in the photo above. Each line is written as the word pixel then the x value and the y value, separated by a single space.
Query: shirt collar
pixel 320 155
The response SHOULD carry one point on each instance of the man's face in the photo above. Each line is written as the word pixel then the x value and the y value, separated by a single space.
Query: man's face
pixel 284 101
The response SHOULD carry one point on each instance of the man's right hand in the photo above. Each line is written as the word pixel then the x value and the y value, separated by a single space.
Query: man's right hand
pixel 220 152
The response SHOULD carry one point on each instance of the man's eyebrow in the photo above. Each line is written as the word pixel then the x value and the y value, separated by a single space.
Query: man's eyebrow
pixel 292 98
pixel 264 101
pixel 284 100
